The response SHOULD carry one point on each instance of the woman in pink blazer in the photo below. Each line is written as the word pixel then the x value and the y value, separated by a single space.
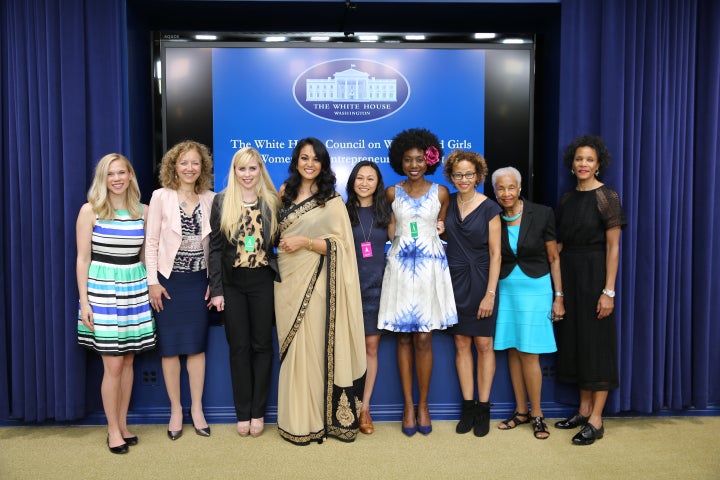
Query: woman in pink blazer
pixel 176 257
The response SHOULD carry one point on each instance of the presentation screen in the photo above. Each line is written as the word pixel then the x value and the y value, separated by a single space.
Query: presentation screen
pixel 353 98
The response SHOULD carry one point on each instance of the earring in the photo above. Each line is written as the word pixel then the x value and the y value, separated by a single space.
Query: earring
pixel 572 171
pixel 597 173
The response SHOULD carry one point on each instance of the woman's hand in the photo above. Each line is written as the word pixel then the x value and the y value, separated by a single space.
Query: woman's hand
pixel 605 306
pixel 217 302
pixel 293 244
pixel 86 316
pixel 440 227
pixel 157 291
pixel 558 309
pixel 486 306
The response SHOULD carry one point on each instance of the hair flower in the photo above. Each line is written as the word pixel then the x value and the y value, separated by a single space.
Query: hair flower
pixel 432 156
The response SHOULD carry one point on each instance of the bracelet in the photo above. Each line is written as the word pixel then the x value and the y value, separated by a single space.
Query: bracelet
pixel 491 293
pixel 310 244
pixel 559 294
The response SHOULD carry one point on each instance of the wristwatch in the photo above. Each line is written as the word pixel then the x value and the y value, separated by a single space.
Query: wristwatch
pixel 609 293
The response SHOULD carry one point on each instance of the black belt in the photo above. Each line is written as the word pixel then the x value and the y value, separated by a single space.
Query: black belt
pixel 99 257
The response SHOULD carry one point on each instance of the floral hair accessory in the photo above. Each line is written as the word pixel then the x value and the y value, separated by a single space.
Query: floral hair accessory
pixel 432 156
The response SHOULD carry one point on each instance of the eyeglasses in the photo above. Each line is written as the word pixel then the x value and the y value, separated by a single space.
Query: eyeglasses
pixel 467 175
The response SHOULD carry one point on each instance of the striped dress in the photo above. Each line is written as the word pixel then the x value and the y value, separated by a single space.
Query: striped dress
pixel 118 290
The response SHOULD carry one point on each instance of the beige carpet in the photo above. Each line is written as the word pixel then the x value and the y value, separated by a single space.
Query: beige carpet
pixel 639 448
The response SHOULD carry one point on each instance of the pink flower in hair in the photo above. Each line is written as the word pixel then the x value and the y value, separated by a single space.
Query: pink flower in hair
pixel 432 156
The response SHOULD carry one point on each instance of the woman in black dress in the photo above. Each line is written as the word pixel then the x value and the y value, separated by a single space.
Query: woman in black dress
pixel 590 218
pixel 369 214
pixel 472 231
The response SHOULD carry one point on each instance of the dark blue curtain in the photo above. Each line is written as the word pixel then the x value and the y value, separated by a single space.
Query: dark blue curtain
pixel 63 107
pixel 645 74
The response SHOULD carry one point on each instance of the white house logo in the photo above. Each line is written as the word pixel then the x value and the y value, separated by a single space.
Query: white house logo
pixel 351 90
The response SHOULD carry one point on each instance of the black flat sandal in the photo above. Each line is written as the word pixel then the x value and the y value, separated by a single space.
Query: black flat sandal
pixel 540 428
pixel 515 420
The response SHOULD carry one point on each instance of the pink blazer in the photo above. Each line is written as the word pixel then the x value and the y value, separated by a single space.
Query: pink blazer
pixel 163 231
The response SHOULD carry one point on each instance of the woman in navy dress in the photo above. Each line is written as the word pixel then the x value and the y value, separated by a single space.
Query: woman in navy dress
pixel 369 214
pixel 472 231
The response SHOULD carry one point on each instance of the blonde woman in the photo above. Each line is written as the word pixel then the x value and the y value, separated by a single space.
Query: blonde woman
pixel 178 235
pixel 243 268
pixel 114 317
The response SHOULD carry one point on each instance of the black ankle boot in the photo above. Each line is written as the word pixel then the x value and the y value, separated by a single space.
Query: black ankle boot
pixel 467 416
pixel 482 419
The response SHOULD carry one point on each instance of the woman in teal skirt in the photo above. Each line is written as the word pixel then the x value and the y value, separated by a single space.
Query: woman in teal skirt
pixel 527 305
pixel 114 316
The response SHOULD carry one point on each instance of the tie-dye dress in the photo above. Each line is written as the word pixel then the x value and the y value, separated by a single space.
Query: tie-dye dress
pixel 417 293
pixel 118 290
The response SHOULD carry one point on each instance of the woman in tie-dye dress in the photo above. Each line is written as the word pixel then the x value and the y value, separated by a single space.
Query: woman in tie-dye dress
pixel 114 317
pixel 417 295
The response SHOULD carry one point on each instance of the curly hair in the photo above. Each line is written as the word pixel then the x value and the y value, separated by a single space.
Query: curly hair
pixel 419 138
pixel 325 181
pixel 381 207
pixel 457 156
pixel 168 177
pixel 593 141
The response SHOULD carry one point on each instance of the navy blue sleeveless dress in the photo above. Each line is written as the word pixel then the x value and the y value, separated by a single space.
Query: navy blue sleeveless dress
pixel 370 268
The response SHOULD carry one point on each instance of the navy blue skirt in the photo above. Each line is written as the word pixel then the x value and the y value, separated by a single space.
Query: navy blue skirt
pixel 182 325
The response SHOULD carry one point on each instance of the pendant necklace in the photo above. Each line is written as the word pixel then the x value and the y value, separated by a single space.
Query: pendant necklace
pixel 463 202
pixel 185 200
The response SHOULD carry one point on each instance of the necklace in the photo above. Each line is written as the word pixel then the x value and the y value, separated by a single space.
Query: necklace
pixel 514 217
pixel 187 199
pixel 511 219
pixel 463 202
pixel 366 238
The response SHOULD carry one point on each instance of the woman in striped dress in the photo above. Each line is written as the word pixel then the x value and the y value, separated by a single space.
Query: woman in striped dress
pixel 114 316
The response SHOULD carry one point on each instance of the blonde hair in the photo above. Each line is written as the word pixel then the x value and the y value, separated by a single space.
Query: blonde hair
pixel 232 207
pixel 98 193
pixel 168 175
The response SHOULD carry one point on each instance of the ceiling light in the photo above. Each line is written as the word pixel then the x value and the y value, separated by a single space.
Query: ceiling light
pixel 414 37
pixel 368 38
pixel 319 39
pixel 484 36
pixel 513 41
pixel 205 37
pixel 275 39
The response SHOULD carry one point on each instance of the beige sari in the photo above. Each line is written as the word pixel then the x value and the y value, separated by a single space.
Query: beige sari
pixel 320 328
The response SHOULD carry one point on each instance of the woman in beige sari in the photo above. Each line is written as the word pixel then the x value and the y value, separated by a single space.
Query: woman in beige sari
pixel 317 305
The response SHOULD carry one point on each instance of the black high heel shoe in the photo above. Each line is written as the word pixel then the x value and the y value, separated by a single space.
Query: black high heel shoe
pixel 203 432
pixel 120 449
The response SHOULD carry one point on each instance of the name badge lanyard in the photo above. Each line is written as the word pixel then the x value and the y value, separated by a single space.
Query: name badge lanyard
pixel 366 246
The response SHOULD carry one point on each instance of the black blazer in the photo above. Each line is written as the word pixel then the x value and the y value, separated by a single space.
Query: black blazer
pixel 223 253
pixel 537 226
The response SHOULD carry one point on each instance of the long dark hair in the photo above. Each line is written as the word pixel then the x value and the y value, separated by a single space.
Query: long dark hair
pixel 381 207
pixel 325 181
